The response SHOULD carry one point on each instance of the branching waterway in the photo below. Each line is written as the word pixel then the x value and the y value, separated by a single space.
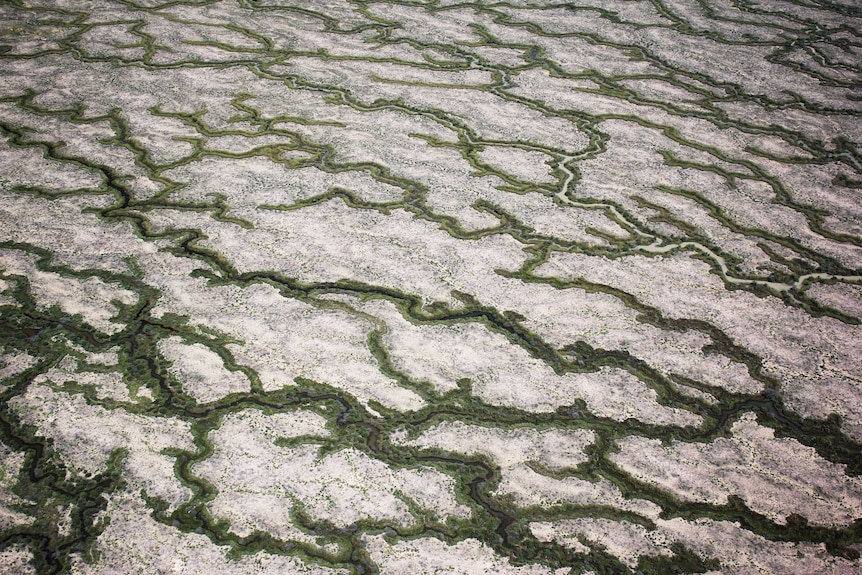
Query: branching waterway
pixel 413 287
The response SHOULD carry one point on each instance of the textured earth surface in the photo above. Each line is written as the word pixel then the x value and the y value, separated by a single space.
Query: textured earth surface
pixel 405 287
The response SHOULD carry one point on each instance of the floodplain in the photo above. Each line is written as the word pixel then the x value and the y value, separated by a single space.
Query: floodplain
pixel 415 287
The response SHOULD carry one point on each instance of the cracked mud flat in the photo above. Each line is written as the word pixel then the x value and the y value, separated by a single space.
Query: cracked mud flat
pixel 355 287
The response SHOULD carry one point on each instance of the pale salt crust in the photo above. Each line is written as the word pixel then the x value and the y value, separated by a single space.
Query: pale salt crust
pixel 280 338
pixel 6 299
pixel 514 449
pixel 529 165
pixel 11 463
pixel 330 241
pixel 241 498
pixel 85 435
pixel 631 165
pixel 774 476
pixel 104 41
pixel 624 540
pixel 91 298
pixel 16 560
pixel 744 65
pixel 148 248
pixel 249 182
pixel 669 351
pixel 342 487
pixel 808 123
pixel 429 28
pixel 28 167
pixel 562 317
pixel 505 374
pixel 201 371
pixel 86 141
pixel 547 217
pixel 108 385
pixel 133 542
pixel 529 488
pixel 15 362
pixel 390 126
pixel 64 521
pixel 553 448
pixel 76 239
pixel 383 137
pixel 489 115
pixel 242 144
pixel 739 551
pixel 429 556
pixel 682 287
pixel 846 298
pixel 291 30
pixel 106 358
pixel 276 24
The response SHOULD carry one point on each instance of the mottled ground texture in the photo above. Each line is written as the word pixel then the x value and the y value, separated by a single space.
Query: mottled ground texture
pixel 440 287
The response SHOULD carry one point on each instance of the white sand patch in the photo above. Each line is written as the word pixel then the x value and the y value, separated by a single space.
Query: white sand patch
pixel 738 550
pixel 774 476
pixel 79 240
pixel 547 217
pixel 511 449
pixel 429 556
pixel 529 488
pixel 91 298
pixel 342 487
pixel 796 348
pixel 529 165
pixel 6 299
pixel 16 560
pixel 15 362
pixel 280 338
pixel 554 448
pixel 843 297
pixel 505 374
pixel 743 552
pixel 331 242
pixel 108 385
pixel 201 371
pixel 107 358
pixel 624 540
pixel 489 115
pixel 28 167
pixel 85 435
pixel 134 542
pixel 11 463
pixel 249 182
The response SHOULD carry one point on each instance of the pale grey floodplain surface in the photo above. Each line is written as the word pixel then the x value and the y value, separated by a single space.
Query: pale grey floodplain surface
pixel 436 287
